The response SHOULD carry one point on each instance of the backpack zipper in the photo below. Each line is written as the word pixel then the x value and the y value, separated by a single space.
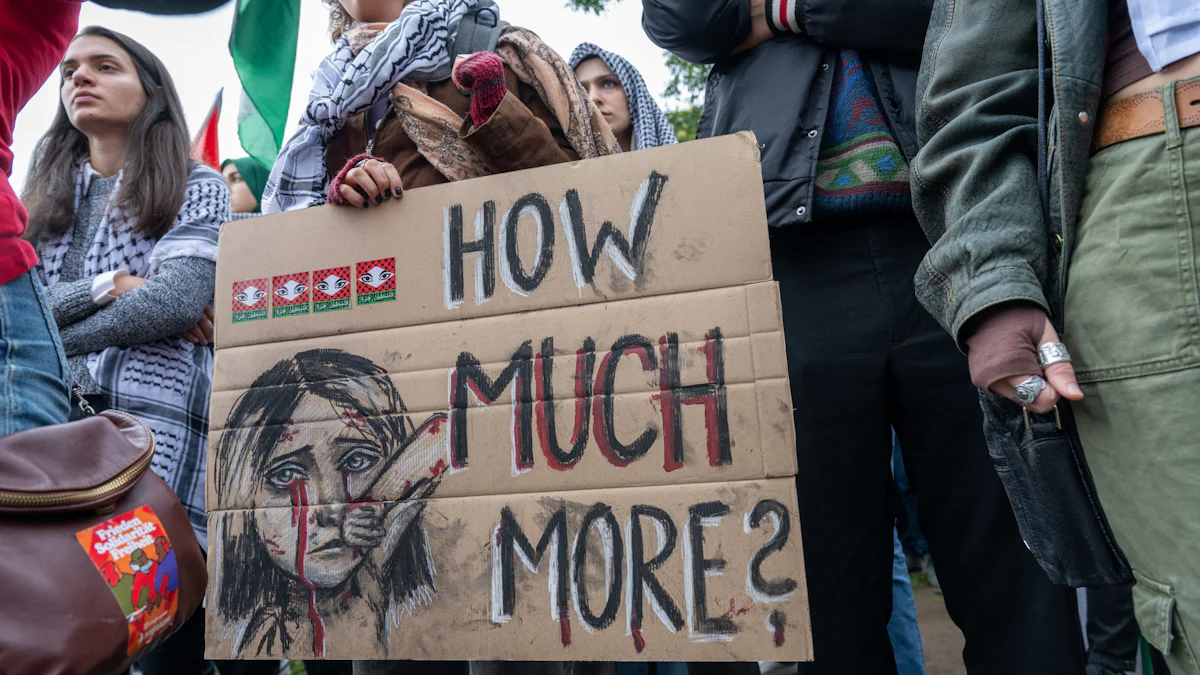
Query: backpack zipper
pixel 115 485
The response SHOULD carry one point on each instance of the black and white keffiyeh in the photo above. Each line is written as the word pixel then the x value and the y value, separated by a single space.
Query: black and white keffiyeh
pixel 165 383
pixel 417 46
pixel 651 128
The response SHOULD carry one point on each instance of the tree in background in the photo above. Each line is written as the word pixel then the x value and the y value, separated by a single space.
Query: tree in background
pixel 684 89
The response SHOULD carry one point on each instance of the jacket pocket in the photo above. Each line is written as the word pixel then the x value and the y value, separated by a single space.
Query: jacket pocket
pixel 1154 608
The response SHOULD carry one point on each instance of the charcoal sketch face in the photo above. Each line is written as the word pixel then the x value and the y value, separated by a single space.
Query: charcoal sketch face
pixel 323 471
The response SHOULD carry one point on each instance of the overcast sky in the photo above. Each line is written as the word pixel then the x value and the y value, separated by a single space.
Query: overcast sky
pixel 195 49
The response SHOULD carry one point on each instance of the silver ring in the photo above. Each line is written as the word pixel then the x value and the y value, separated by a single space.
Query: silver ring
pixel 1053 352
pixel 1027 391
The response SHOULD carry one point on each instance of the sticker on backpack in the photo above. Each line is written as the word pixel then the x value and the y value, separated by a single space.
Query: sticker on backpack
pixel 135 558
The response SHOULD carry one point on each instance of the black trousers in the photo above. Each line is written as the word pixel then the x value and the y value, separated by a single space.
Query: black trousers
pixel 864 357
pixel 1112 632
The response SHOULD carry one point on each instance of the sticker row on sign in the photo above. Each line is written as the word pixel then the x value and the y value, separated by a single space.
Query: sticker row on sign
pixel 318 291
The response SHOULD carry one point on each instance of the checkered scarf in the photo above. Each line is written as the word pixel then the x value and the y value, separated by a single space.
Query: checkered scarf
pixel 165 383
pixel 416 47
pixel 651 128
pixel 118 247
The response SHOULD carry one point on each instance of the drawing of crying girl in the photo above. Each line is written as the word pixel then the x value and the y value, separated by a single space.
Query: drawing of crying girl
pixel 317 477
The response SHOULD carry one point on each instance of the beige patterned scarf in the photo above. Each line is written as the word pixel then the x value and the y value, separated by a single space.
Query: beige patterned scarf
pixel 434 127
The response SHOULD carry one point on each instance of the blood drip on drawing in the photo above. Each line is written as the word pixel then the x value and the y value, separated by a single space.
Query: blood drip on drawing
pixel 352 503
pixel 299 492
pixel 639 642
pixel 564 629
pixel 777 621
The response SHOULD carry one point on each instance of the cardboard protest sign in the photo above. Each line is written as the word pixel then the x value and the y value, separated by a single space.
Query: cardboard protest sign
pixel 510 416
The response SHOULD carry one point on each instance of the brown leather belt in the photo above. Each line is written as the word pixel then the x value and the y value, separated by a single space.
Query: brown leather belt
pixel 1143 115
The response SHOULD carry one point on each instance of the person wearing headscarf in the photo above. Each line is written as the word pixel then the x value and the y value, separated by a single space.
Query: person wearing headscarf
pixel 246 178
pixel 620 93
pixel 398 105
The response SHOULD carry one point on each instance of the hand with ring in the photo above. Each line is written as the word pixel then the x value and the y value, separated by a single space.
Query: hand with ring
pixel 1014 351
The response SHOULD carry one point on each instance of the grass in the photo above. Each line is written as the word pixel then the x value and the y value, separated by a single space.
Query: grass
pixel 919 581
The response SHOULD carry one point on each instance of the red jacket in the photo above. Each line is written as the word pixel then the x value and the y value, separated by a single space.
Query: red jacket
pixel 33 38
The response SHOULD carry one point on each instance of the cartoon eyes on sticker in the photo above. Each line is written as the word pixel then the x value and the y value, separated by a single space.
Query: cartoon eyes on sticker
pixel 376 277
pixel 332 284
pixel 291 290
pixel 251 296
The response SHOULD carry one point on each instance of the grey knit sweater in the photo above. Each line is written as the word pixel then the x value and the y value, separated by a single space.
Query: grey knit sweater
pixel 169 303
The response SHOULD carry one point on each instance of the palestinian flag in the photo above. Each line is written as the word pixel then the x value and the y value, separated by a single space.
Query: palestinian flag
pixel 263 47
pixel 205 147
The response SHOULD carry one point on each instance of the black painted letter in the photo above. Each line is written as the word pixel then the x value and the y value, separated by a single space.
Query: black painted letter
pixel 698 566
pixel 457 250
pixel 469 373
pixel 629 257
pixel 710 395
pixel 511 270
pixel 641 574
pixel 604 406
pixel 616 553
pixel 511 538
pixel 585 364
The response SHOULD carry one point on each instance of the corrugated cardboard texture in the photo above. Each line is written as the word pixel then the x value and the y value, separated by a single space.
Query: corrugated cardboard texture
pixel 390 383
pixel 531 577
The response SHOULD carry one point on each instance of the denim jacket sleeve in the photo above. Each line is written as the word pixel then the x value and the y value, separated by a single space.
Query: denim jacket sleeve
pixel 974 181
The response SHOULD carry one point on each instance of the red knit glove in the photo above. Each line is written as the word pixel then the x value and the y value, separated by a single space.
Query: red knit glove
pixel 482 74
pixel 333 194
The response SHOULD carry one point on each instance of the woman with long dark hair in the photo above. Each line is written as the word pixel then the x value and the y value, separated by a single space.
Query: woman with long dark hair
pixel 125 225
pixel 408 100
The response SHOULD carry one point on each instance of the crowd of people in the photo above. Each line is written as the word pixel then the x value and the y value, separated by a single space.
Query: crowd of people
pixel 949 191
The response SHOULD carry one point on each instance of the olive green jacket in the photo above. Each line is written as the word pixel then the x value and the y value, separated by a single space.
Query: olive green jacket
pixel 975 180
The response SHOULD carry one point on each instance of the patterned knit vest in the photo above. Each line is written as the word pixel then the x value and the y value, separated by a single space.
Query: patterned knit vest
pixel 860 167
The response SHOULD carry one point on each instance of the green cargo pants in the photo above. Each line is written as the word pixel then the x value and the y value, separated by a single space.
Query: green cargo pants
pixel 1133 327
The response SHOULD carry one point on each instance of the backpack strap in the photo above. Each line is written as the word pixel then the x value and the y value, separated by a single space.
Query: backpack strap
pixel 478 31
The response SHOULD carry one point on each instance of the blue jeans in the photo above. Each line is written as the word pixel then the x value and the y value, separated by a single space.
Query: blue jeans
pixel 35 381
pixel 902 628
pixel 906 518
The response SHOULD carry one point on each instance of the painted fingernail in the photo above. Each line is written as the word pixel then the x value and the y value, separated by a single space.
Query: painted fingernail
pixel 378 199
pixel 399 192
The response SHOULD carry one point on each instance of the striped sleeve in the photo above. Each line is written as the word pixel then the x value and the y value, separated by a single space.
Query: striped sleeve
pixel 784 17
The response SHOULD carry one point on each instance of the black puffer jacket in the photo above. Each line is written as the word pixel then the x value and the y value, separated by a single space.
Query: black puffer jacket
pixel 780 89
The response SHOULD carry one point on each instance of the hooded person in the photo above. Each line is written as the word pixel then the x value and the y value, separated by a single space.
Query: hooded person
pixel 402 103
pixel 246 178
pixel 617 89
